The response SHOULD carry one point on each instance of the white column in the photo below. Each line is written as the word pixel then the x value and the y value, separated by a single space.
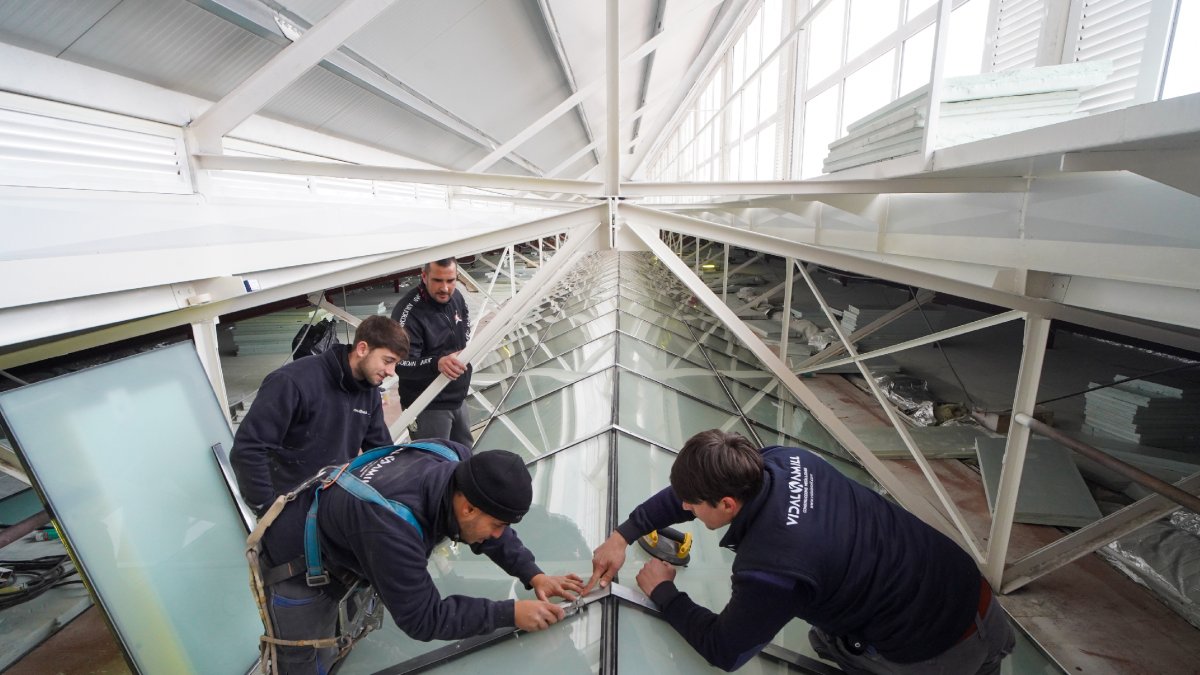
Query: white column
pixel 204 333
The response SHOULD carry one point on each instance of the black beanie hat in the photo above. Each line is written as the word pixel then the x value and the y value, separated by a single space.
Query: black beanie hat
pixel 496 482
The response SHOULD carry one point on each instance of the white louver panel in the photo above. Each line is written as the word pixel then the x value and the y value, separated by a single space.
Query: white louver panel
pixel 1132 35
pixel 1018 29
pixel 49 152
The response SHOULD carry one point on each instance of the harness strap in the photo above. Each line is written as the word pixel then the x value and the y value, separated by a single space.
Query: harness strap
pixel 315 574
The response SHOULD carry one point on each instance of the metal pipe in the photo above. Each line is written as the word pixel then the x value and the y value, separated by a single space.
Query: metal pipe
pixel 18 530
pixel 1131 472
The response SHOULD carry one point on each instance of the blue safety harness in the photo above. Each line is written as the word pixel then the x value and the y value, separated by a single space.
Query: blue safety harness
pixel 315 573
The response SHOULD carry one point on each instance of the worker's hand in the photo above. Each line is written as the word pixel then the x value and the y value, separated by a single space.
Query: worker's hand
pixel 567 587
pixel 653 573
pixel 450 366
pixel 531 615
pixel 607 560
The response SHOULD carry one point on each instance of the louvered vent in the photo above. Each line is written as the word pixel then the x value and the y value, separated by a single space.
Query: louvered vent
pixel 43 151
pixel 1114 30
pixel 1018 27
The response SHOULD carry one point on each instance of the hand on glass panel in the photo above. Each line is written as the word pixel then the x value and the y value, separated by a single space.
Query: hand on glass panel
pixel 533 615
pixel 653 573
pixel 567 587
pixel 607 560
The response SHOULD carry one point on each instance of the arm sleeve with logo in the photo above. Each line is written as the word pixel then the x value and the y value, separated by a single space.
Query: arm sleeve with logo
pixel 417 365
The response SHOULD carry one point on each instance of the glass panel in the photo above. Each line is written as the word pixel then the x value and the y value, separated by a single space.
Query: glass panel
pixel 820 128
pixel 916 61
pixel 482 402
pixel 836 456
pixel 555 421
pixel 561 371
pixel 566 521
pixel 868 89
pixel 666 416
pixel 870 22
pixel 825 42
pixel 663 339
pixel 123 454
pixel 1182 79
pixel 649 645
pixel 655 317
pixel 571 646
pixel 574 339
pixel 964 49
pixel 575 319
pixel 674 372
pixel 502 364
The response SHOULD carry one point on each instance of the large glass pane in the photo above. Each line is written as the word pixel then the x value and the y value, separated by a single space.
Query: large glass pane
pixel 570 646
pixel 868 89
pixel 825 42
pixel 575 319
pixel 870 22
pixel 820 129
pixel 916 61
pixel 123 453
pixel 663 339
pixel 673 371
pixel 657 318
pixel 650 645
pixel 666 416
pixel 964 49
pixel 558 420
pixel 1181 78
pixel 561 371
pixel 574 339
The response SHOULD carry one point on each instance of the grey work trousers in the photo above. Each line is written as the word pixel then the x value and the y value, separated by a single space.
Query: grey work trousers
pixel 979 654
pixel 451 424
pixel 299 612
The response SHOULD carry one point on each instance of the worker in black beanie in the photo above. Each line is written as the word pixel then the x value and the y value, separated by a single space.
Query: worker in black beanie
pixel 450 494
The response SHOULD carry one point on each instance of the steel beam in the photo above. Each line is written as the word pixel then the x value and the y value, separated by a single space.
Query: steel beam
pixel 285 68
pixel 580 96
pixel 204 335
pixel 966 536
pixel 289 283
pixel 612 98
pixel 1037 330
pixel 1090 538
pixel 971 327
pixel 826 417
pixel 673 222
pixel 319 300
pixel 933 102
pixel 785 329
pixel 1179 168
pixel 579 242
pixel 391 173
pixel 817 188
pixel 923 296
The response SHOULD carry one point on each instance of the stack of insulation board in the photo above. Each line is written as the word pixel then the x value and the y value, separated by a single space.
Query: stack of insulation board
pixel 1147 413
pixel 909 326
pixel 972 108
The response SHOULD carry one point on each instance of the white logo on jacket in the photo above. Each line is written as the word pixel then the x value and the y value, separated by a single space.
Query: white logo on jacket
pixel 799 491
pixel 360 411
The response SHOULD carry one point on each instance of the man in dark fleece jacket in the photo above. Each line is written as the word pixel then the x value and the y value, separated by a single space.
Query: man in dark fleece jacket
pixel 435 316
pixel 316 411
pixel 472 500
pixel 883 591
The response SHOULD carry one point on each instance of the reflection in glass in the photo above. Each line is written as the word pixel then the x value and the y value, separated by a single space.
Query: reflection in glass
pixel 554 421
pixel 574 338
pixel 123 454
pixel 561 371
pixel 673 371
pixel 649 645
pixel 666 416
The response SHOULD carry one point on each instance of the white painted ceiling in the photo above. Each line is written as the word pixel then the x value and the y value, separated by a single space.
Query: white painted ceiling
pixel 487 68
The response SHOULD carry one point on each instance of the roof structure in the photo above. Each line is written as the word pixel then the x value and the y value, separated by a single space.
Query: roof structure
pixel 166 164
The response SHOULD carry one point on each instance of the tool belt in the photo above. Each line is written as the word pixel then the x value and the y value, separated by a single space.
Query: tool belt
pixel 359 610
